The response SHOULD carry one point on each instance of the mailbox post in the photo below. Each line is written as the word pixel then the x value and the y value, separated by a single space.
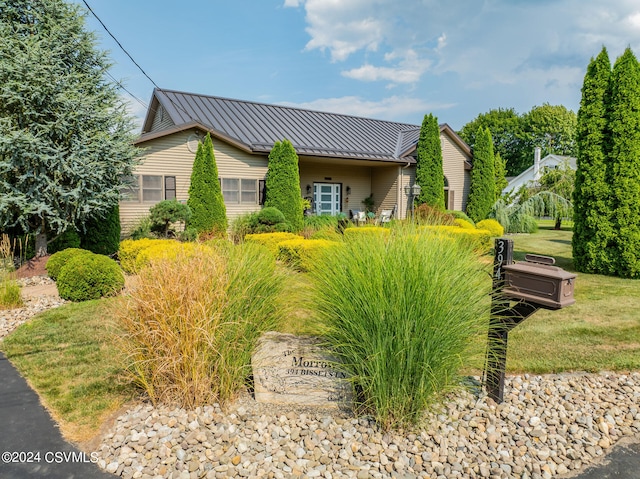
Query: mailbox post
pixel 534 284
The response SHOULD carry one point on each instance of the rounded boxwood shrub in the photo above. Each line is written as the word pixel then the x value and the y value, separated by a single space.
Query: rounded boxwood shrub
pixel 59 259
pixel 270 216
pixel 89 276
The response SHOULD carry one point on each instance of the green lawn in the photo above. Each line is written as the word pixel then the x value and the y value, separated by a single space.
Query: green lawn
pixel 69 355
pixel 601 331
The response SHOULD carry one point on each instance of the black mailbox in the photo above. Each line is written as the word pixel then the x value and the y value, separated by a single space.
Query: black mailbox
pixel 538 281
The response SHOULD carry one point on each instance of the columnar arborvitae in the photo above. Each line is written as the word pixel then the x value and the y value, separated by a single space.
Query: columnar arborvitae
pixel 482 191
pixel 592 230
pixel 208 212
pixel 429 173
pixel 500 171
pixel 283 183
pixel 624 174
pixel 102 233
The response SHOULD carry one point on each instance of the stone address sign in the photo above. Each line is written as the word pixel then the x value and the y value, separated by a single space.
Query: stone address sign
pixel 289 369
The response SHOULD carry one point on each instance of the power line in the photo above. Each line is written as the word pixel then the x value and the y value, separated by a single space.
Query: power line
pixel 120 85
pixel 179 107
pixel 120 45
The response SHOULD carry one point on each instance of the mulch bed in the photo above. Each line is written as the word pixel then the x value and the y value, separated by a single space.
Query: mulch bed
pixel 33 267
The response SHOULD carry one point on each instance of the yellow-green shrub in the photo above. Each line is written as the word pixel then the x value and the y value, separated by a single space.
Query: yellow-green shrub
pixel 171 250
pixel 463 223
pixel 478 239
pixel 302 254
pixel 129 250
pixel 327 234
pixel 492 226
pixel 270 240
pixel 358 232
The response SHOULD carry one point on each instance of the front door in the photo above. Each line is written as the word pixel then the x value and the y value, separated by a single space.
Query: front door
pixel 326 198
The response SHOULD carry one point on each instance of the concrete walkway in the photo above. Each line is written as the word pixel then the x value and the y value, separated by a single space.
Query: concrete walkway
pixel 31 445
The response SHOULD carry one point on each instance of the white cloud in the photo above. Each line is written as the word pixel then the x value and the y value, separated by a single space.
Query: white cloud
pixel 391 108
pixel 409 70
pixel 291 3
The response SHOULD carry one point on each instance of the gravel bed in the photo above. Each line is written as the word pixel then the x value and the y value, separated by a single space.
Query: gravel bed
pixel 10 319
pixel 547 426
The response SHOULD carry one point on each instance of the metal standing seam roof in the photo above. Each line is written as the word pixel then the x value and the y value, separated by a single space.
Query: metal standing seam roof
pixel 258 126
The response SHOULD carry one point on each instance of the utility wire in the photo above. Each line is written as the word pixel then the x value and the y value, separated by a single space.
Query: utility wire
pixel 177 106
pixel 120 85
pixel 120 45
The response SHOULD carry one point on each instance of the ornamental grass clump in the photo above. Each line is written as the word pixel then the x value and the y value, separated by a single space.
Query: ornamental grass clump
pixel 191 323
pixel 10 296
pixel 401 314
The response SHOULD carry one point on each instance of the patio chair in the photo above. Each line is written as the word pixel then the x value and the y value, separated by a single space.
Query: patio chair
pixel 358 216
pixel 385 216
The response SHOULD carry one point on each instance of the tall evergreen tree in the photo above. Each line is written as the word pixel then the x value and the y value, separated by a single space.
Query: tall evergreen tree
pixel 592 230
pixel 208 211
pixel 283 183
pixel 102 233
pixel 500 171
pixel 65 136
pixel 429 173
pixel 624 174
pixel 482 191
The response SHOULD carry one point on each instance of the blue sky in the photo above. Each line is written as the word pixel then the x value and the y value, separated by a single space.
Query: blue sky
pixel 389 59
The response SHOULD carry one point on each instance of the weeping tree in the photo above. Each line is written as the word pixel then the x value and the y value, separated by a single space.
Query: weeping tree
pixel 520 217
pixel 65 136
pixel 561 181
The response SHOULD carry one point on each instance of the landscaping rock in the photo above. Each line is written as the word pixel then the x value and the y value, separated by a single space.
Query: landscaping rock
pixel 547 425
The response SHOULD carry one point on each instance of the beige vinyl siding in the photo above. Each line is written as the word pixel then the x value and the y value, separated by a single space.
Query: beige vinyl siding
pixel 161 120
pixel 235 163
pixel 453 162
pixel 406 177
pixel 384 186
pixel 170 156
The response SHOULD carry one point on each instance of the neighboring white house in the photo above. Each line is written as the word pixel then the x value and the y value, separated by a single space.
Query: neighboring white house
pixel 531 175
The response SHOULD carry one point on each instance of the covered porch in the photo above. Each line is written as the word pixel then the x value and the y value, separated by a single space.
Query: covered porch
pixel 335 186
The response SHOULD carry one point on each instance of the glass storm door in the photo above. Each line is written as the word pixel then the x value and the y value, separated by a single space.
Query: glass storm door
pixel 326 198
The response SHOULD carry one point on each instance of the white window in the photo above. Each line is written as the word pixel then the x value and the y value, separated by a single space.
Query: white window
pixel 240 191
pixel 149 188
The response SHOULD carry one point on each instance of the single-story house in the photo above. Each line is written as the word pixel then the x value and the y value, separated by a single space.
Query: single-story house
pixel 531 175
pixel 343 159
